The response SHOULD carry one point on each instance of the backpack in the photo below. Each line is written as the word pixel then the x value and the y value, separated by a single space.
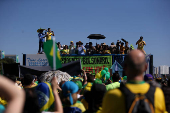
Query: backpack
pixel 138 103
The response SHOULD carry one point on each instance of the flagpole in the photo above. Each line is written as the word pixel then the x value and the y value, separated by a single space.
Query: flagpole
pixel 54 54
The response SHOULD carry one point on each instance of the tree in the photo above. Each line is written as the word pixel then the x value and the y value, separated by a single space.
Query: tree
pixel 5 61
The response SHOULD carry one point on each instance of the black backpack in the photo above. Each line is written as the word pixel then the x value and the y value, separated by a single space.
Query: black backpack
pixel 138 103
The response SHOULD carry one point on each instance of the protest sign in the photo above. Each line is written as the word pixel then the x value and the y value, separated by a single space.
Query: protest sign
pixel 91 64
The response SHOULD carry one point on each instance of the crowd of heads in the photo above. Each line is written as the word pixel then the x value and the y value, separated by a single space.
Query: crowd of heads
pixel 82 93
pixel 121 47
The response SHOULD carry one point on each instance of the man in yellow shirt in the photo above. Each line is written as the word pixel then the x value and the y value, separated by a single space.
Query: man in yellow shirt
pixel 115 101
pixel 49 33
pixel 141 44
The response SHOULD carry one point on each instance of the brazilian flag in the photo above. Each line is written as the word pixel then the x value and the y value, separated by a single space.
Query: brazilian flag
pixel 45 96
pixel 48 49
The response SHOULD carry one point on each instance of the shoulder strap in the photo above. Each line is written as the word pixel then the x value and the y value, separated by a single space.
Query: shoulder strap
pixel 129 94
pixel 150 94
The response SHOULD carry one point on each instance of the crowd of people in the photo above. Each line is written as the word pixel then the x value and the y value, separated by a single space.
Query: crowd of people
pixel 120 47
pixel 133 93
pixel 89 49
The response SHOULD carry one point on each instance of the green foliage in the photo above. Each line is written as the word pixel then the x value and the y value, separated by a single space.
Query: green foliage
pixel 5 61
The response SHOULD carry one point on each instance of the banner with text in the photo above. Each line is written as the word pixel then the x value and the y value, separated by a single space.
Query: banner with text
pixel 91 64
pixel 35 60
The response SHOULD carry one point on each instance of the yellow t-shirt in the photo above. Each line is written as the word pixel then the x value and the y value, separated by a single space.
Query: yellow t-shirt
pixel 79 105
pixel 107 52
pixel 141 45
pixel 66 51
pixel 3 102
pixel 49 36
pixel 114 100
pixel 122 49
pixel 84 102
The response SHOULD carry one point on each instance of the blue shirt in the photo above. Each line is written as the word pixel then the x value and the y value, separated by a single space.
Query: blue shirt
pixel 81 50
pixel 41 35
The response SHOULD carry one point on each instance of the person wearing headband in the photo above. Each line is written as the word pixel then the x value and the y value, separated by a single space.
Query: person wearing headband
pixel 69 97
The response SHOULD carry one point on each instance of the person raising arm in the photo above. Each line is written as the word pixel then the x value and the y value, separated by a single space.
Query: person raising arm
pixel 58 105
pixel 14 96
pixel 49 33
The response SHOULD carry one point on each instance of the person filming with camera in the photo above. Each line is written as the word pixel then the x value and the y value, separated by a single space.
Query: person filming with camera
pixel 71 48
pixel 49 33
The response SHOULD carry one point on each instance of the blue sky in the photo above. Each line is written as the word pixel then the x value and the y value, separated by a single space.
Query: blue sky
pixel 74 20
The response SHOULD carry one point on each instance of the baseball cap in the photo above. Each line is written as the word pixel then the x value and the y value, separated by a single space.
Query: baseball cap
pixel 148 77
pixel 125 78
pixel 98 81
pixel 112 43
pixel 79 84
